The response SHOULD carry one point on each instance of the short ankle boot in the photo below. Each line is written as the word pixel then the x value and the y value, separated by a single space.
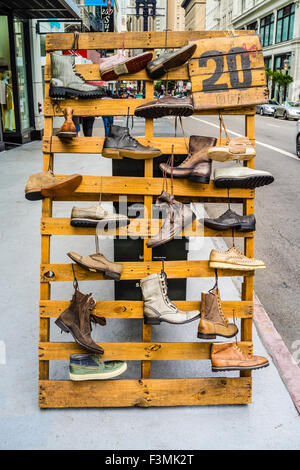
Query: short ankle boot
pixel 67 83
pixel 178 217
pixel 45 184
pixel 157 305
pixel 68 129
pixel 120 144
pixel 213 321
pixel 197 166
pixel 77 318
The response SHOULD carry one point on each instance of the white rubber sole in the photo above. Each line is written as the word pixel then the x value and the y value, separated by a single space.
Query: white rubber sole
pixel 238 267
pixel 107 376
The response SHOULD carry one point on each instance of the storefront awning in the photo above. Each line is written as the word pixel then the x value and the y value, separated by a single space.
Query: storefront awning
pixel 47 9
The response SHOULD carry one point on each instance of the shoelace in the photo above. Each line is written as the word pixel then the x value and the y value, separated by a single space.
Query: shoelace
pixel 245 356
pixel 165 291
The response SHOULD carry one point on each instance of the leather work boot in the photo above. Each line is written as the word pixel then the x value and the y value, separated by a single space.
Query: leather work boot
pixel 166 106
pixel 68 129
pixel 213 321
pixel 197 165
pixel 120 144
pixel 45 184
pixel 97 263
pixel 84 367
pixel 227 357
pixel 238 148
pixel 241 177
pixel 157 305
pixel 118 64
pixel 179 216
pixel 77 318
pixel 67 83
pixel 234 259
pixel 96 216
pixel 230 219
pixel 170 60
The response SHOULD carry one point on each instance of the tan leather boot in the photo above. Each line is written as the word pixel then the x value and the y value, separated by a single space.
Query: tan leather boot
pixel 45 184
pixel 178 217
pixel 97 263
pixel 213 321
pixel 68 129
pixel 77 318
pixel 197 166
pixel 227 357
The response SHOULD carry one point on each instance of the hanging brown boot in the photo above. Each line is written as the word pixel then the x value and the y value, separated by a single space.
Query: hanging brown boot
pixel 197 166
pixel 77 318
pixel 213 321
pixel 228 357
pixel 68 129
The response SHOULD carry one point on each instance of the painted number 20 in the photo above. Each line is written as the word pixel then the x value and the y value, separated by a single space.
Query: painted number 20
pixel 210 84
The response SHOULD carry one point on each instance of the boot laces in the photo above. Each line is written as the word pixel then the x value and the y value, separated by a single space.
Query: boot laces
pixel 245 356
pixel 131 139
pixel 225 319
pixel 165 293
pixel 186 160
pixel 77 73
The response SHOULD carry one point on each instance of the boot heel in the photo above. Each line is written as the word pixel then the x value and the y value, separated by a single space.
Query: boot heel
pixel 62 326
pixel 246 228
pixel 204 336
pixel 151 321
pixel 199 179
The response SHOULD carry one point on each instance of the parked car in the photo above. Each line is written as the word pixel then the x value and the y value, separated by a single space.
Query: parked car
pixel 267 109
pixel 288 110
pixel 298 139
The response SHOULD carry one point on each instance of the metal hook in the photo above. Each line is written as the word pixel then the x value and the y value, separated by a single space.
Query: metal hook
pixel 75 282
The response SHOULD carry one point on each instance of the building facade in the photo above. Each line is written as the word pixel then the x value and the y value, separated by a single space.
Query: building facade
pixel 175 15
pixel 195 14
pixel 219 14
pixel 137 23
pixel 278 24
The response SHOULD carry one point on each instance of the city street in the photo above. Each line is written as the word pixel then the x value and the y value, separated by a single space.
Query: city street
pixel 277 212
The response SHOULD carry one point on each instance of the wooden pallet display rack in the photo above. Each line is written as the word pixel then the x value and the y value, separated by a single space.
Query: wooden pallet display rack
pixel 145 392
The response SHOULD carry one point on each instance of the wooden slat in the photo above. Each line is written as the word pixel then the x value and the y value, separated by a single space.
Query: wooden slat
pixel 240 96
pixel 92 72
pixel 258 80
pixel 145 393
pixel 94 145
pixel 98 107
pixel 138 270
pixel 137 227
pixel 151 187
pixel 136 351
pixel 249 42
pixel 136 40
pixel 134 309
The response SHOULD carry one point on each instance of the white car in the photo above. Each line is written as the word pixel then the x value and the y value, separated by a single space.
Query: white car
pixel 267 109
pixel 288 110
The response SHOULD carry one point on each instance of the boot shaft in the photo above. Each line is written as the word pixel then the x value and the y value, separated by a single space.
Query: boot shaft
pixel 198 151
pixel 154 290
pixel 211 308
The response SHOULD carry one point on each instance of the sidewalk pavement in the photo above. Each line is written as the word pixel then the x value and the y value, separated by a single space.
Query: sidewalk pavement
pixel 271 422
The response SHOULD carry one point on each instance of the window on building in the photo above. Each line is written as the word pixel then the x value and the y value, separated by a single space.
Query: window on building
pixel 253 26
pixel 285 23
pixel 268 62
pixel 267 30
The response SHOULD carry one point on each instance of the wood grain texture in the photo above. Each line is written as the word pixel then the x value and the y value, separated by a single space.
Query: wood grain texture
pixel 137 227
pixel 145 393
pixel 150 187
pixel 151 351
pixel 136 40
pixel 238 97
pixel 138 270
pixel 122 309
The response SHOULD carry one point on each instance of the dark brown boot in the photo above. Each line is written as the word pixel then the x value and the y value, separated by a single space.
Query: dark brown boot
pixel 68 129
pixel 213 321
pixel 77 318
pixel 197 165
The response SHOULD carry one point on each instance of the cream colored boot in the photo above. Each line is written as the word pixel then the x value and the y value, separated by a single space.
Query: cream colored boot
pixel 157 305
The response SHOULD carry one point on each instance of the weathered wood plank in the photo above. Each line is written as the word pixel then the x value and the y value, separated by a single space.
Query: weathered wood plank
pixel 94 145
pixel 250 43
pixel 136 40
pixel 138 270
pixel 137 227
pixel 136 351
pixel 134 309
pixel 145 393
pixel 240 96
pixel 258 80
pixel 152 187
pixel 92 72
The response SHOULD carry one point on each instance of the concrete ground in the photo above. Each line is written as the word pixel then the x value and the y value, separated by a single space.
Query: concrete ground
pixel 271 422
